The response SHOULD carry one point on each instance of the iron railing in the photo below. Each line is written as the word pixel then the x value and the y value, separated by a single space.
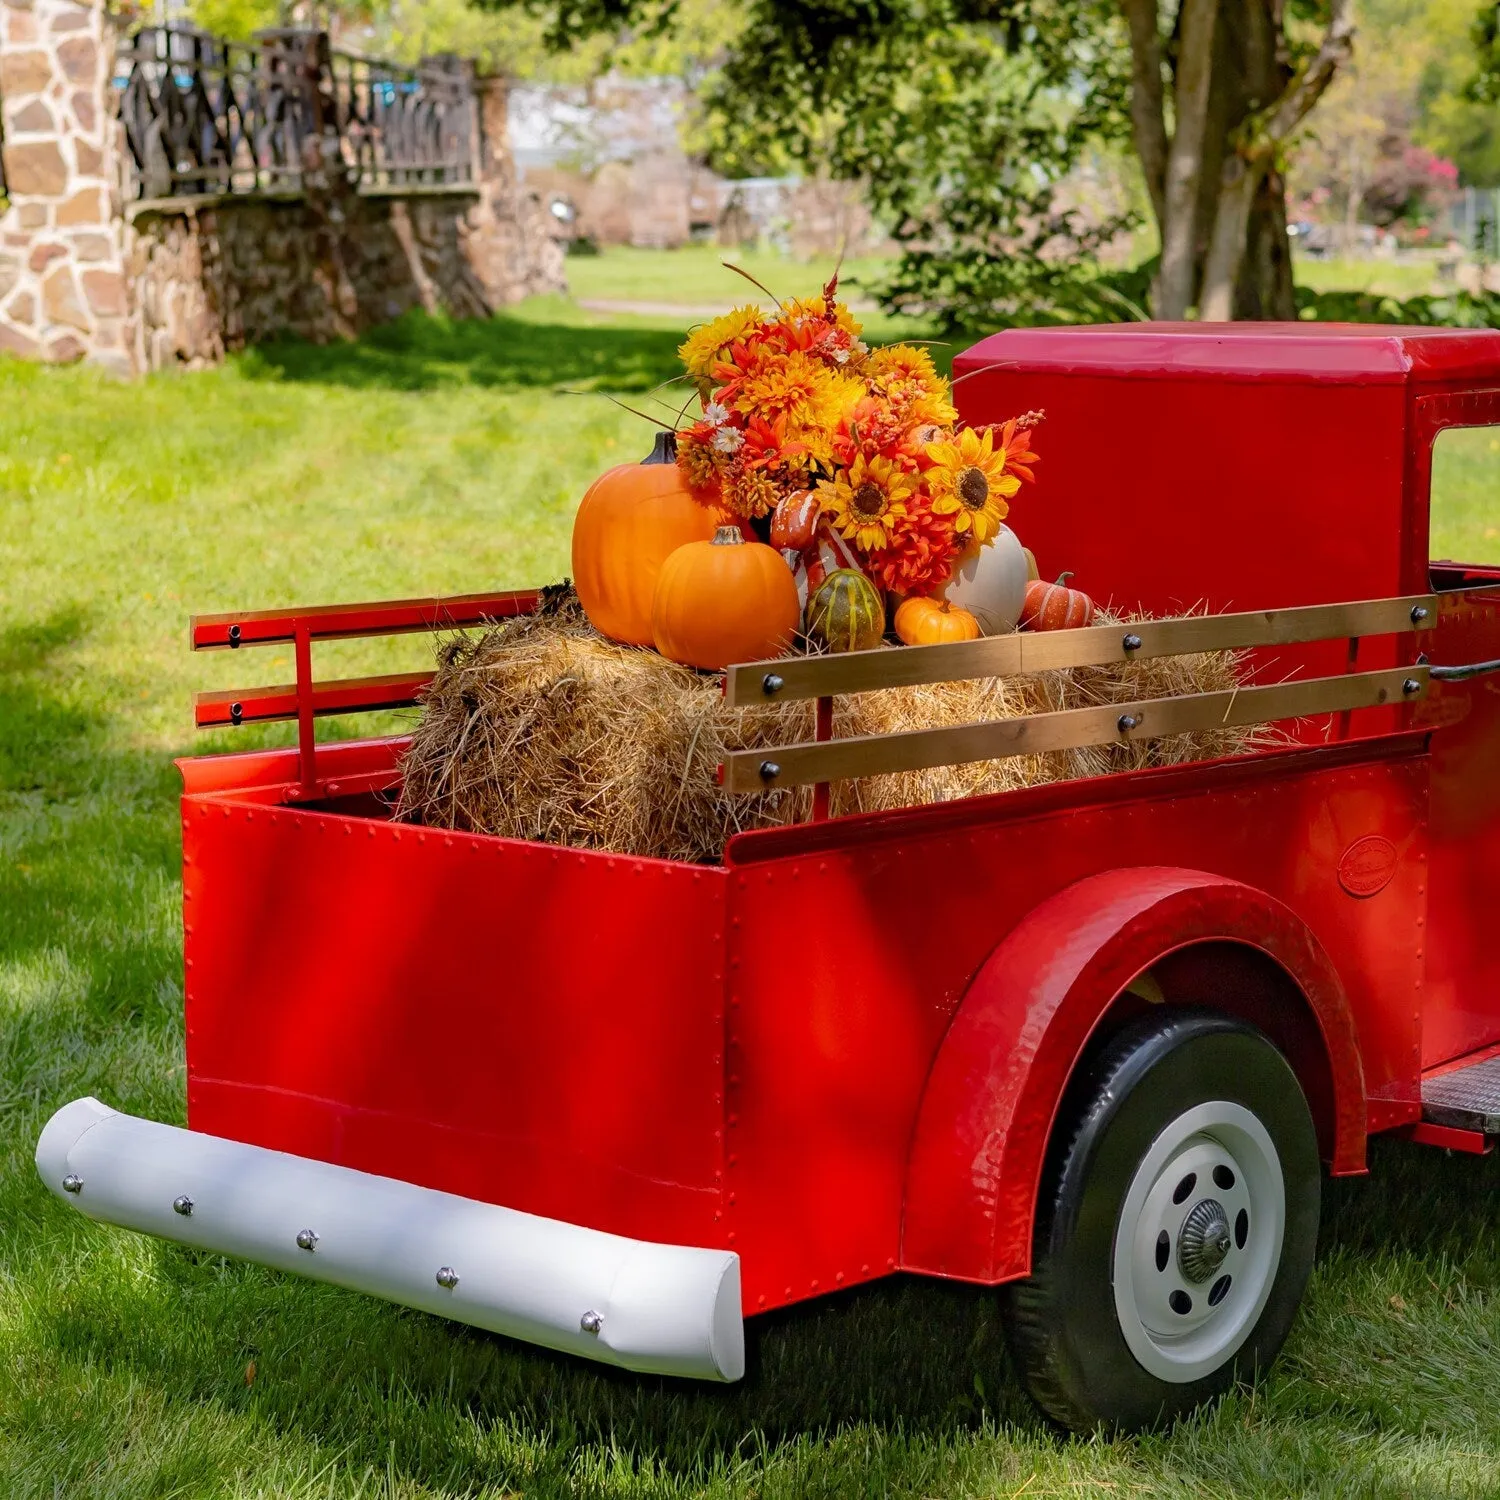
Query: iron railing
pixel 206 115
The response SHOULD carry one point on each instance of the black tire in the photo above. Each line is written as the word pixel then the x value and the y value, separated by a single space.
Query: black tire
pixel 1131 1101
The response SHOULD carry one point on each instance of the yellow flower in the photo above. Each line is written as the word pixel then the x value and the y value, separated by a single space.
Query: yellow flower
pixel 904 362
pixel 695 458
pixel 795 386
pixel 968 482
pixel 750 493
pixel 816 307
pixel 702 345
pixel 867 500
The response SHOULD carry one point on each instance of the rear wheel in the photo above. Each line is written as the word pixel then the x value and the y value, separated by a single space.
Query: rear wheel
pixel 1175 1227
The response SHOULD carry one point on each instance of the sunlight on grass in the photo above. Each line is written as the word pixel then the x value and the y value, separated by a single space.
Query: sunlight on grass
pixel 1466 495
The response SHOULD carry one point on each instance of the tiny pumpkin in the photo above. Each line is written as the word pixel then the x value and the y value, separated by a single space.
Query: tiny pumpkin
pixel 794 521
pixel 928 622
pixel 845 613
pixel 1054 606
pixel 723 601
pixel 629 522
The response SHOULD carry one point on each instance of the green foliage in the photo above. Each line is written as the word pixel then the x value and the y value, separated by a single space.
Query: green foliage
pixel 960 117
pixel 1456 309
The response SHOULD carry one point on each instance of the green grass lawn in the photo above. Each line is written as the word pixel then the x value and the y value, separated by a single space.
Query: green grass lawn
pixel 436 460
pixel 695 274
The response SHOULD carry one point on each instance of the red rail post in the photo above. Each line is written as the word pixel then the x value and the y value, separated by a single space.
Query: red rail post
pixel 306 744
pixel 823 730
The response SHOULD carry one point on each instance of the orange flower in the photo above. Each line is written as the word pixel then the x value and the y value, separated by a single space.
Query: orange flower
pixel 766 445
pixel 920 556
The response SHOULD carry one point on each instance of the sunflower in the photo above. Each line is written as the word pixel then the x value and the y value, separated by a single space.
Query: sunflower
pixel 867 500
pixel 968 482
pixel 699 350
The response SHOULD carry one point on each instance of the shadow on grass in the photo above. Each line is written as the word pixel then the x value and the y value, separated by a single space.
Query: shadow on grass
pixel 419 353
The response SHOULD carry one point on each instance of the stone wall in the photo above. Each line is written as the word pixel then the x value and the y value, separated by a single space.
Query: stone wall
pixel 62 288
pixel 213 275
pixel 88 273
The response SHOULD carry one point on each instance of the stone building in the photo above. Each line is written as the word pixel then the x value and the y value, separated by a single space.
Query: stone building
pixel 115 249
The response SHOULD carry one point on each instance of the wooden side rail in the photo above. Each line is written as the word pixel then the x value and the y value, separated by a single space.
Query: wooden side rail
pixel 823 760
pixel 789 678
pixel 1035 734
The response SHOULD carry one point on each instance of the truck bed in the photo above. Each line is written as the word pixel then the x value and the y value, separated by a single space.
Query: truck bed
pixel 731 1055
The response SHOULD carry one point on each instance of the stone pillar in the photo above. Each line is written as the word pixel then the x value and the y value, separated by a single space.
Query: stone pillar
pixel 63 293
pixel 510 242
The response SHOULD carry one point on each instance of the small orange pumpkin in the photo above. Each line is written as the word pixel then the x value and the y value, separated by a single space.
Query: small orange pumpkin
pixel 632 519
pixel 927 622
pixel 1054 606
pixel 724 601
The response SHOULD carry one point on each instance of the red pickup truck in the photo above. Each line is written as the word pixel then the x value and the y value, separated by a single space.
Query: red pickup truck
pixel 1160 1004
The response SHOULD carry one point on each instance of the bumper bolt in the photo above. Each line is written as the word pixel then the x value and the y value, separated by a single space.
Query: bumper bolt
pixel 72 1183
pixel 591 1322
pixel 307 1239
pixel 447 1277
pixel 182 1205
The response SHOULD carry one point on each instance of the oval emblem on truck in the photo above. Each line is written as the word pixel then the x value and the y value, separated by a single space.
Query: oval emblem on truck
pixel 1368 865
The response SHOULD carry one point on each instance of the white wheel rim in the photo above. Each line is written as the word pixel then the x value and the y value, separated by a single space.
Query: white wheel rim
pixel 1198 1241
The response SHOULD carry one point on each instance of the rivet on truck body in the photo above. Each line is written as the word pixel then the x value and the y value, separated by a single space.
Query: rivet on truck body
pixel 1132 642
pixel 769 770
pixel 771 684
pixel 72 1183
pixel 1410 686
pixel 183 1205
pixel 1418 613
pixel 447 1277
pixel 307 1239
pixel 1127 722
pixel 591 1322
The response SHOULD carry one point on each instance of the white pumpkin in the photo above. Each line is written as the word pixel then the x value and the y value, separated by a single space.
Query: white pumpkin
pixel 990 582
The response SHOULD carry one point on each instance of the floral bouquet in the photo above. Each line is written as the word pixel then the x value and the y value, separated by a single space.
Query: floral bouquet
pixel 804 423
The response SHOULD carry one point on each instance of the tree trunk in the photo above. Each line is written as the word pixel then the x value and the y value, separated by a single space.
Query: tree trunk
pixel 1219 198
pixel 1192 92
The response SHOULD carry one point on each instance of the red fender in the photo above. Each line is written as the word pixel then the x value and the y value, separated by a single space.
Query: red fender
pixel 987 1111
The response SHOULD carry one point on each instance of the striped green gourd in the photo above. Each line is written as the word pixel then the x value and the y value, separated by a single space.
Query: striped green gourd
pixel 845 613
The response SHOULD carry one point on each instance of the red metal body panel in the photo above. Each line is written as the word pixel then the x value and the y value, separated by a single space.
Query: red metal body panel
pixel 832 1040
pixel 562 1054
pixel 991 1099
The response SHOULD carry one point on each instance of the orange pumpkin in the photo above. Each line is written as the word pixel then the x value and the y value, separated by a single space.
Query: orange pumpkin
pixel 1054 606
pixel 927 622
pixel 724 601
pixel 632 519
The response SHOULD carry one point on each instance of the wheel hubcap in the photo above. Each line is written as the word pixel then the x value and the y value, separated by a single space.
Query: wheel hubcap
pixel 1204 1239
pixel 1198 1241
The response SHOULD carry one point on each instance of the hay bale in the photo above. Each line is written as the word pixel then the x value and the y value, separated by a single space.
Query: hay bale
pixel 538 728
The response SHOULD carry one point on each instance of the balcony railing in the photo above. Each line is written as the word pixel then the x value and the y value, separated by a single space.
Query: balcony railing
pixel 207 115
